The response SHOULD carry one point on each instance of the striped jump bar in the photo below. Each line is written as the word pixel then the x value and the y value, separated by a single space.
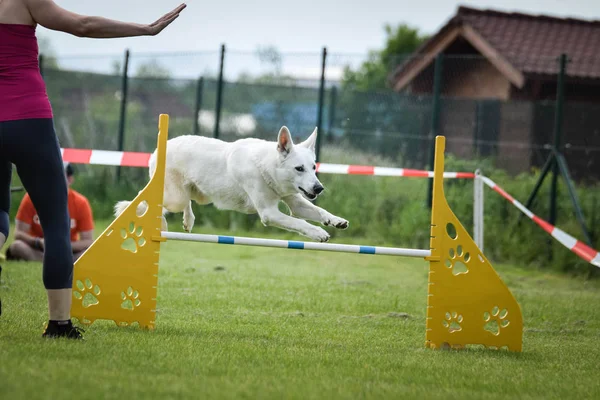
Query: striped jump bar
pixel 581 249
pixel 134 159
pixel 290 244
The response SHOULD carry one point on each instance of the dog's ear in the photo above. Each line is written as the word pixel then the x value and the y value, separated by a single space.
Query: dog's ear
pixel 284 141
pixel 311 141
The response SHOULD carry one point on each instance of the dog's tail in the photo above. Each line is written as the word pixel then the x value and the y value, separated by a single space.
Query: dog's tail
pixel 122 205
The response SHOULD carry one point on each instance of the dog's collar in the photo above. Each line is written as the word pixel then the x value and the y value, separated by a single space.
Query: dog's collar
pixel 267 177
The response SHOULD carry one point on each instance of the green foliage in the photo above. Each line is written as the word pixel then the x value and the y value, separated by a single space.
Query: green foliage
pixel 373 73
pixel 375 117
pixel 152 69
pixel 403 39
pixel 388 123
pixel 272 58
pixel 387 208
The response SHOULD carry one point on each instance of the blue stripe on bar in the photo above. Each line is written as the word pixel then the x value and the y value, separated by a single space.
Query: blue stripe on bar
pixel 367 250
pixel 295 245
pixel 226 239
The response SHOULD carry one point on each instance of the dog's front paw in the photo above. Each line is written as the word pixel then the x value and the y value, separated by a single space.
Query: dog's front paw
pixel 318 234
pixel 337 222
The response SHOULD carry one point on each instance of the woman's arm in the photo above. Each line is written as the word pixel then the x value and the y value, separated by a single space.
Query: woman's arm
pixel 48 14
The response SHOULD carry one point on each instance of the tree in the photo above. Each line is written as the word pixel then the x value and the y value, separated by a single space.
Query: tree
pixel 376 118
pixel 372 74
pixel 150 78
pixel 270 55
pixel 272 58
pixel 152 69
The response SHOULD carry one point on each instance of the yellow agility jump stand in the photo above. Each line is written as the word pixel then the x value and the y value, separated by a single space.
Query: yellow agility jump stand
pixel 467 302
pixel 117 277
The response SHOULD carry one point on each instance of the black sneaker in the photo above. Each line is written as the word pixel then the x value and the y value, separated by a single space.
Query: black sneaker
pixel 8 255
pixel 62 329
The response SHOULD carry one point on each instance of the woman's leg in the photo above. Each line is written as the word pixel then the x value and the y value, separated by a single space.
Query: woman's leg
pixel 5 177
pixel 34 149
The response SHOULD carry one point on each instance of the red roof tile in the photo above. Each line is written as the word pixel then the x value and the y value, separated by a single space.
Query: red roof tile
pixel 531 43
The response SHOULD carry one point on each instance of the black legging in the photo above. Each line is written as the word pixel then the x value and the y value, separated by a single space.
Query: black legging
pixel 33 147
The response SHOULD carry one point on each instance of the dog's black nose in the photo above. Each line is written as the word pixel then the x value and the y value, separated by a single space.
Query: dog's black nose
pixel 318 188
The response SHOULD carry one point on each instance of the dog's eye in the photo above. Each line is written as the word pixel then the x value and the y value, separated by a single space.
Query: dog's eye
pixel 300 169
pixel 315 167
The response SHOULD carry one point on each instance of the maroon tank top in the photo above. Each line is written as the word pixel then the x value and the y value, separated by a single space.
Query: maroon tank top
pixel 22 90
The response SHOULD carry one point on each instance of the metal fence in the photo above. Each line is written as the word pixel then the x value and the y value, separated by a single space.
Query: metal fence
pixel 112 103
pixel 549 121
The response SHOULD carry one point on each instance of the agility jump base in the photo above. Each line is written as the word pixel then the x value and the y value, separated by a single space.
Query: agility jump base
pixel 117 277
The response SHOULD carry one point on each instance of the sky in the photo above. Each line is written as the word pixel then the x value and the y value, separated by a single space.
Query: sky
pixel 299 30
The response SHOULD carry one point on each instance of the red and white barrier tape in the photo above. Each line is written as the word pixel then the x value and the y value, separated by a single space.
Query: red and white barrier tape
pixel 103 157
pixel 385 171
pixel 582 250
pixel 134 159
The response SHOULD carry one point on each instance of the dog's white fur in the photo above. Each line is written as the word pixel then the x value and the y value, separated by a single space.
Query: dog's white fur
pixel 249 176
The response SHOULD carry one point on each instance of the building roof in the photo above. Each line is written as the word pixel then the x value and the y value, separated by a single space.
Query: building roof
pixel 520 45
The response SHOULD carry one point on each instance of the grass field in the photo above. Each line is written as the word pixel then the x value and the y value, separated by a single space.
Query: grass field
pixel 246 322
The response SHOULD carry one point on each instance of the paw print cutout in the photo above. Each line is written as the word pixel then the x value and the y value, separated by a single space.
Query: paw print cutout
pixel 86 292
pixel 495 320
pixel 130 299
pixel 132 237
pixel 457 260
pixel 453 321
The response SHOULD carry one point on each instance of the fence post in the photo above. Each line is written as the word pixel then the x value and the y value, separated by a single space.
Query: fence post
pixel 219 94
pixel 124 87
pixel 435 119
pixel 198 105
pixel 477 134
pixel 558 119
pixel 478 197
pixel 332 105
pixel 321 101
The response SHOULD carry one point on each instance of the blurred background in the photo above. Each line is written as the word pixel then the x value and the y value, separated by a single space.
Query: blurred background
pixel 508 83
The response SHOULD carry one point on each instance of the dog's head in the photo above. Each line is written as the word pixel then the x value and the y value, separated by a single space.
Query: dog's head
pixel 297 165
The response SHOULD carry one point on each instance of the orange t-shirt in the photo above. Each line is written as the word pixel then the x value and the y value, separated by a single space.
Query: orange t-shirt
pixel 80 212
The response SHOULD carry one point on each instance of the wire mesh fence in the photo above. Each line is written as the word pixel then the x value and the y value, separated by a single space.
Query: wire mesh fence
pixel 498 114
pixel 497 109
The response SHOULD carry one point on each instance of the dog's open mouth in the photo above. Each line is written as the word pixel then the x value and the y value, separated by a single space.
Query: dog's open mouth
pixel 310 196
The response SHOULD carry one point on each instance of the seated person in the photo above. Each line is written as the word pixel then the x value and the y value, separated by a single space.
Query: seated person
pixel 29 238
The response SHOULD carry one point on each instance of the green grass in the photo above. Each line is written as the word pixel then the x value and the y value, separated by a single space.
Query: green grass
pixel 247 322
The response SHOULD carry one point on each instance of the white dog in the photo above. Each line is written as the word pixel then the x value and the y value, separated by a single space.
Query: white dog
pixel 248 176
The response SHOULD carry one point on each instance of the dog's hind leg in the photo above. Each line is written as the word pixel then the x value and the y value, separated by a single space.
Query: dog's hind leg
pixel 188 217
pixel 302 208
pixel 163 221
pixel 175 199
